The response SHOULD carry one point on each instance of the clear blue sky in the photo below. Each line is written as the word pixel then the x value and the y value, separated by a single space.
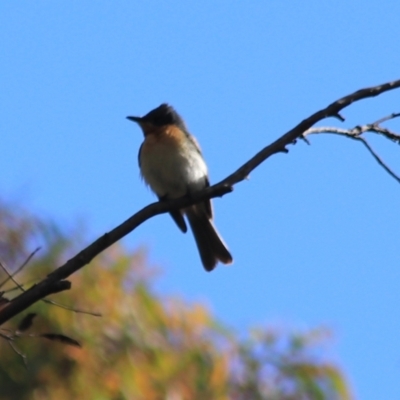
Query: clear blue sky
pixel 315 233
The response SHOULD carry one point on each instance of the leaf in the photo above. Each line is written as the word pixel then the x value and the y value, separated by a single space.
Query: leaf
pixel 26 323
pixel 61 338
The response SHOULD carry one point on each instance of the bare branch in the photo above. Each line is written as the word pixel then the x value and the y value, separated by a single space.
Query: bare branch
pixel 375 127
pixel 378 159
pixel 70 308
pixel 23 356
pixel 384 119
pixel 356 133
pixel 10 276
pixel 4 336
pixel 55 281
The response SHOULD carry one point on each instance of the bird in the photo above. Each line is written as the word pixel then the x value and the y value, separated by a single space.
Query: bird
pixel 172 165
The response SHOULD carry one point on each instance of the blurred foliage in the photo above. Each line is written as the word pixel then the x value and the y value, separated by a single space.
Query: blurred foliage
pixel 144 346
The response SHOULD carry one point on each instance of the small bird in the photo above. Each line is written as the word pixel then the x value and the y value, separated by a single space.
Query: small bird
pixel 172 165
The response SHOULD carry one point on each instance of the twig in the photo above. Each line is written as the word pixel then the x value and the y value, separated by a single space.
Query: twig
pixel 384 119
pixel 378 159
pixel 10 276
pixel 2 335
pixel 9 340
pixel 356 133
pixel 23 356
pixel 77 310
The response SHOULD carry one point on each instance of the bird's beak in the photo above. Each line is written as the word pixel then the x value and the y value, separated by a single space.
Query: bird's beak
pixel 135 119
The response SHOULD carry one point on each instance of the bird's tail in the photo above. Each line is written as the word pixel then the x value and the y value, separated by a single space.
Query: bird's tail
pixel 209 243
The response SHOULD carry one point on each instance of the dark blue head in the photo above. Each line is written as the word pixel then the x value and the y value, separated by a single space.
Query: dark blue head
pixel 161 116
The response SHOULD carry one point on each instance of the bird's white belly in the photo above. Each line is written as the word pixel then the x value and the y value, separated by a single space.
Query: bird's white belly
pixel 173 172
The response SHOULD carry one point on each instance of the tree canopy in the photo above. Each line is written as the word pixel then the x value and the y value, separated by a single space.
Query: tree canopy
pixel 144 345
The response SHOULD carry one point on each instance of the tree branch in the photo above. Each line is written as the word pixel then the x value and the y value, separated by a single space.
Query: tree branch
pixel 55 281
pixel 290 137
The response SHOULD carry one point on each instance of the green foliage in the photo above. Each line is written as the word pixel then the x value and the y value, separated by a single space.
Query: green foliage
pixel 144 346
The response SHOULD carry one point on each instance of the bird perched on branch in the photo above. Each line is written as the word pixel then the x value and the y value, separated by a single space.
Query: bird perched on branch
pixel 172 165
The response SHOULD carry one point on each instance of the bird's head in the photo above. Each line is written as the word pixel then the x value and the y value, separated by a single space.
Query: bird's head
pixel 163 115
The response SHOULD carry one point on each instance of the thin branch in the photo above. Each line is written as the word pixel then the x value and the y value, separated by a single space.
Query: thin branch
pixel 378 159
pixel 23 356
pixel 76 310
pixel 5 337
pixel 384 119
pixel 12 289
pixel 356 133
pixel 10 276
pixel 375 127
pixel 51 282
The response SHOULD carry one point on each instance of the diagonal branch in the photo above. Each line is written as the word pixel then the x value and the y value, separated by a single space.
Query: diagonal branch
pixel 288 138
pixel 23 265
pixel 56 280
pixel 378 159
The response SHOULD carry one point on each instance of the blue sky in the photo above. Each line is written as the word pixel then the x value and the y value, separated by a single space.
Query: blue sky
pixel 314 234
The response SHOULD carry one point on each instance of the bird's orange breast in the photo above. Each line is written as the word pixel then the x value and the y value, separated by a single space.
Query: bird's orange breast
pixel 169 136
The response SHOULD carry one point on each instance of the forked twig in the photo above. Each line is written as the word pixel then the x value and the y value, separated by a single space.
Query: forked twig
pixel 356 134
pixel 22 266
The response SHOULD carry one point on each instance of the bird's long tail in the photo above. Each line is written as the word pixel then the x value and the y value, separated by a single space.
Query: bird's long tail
pixel 209 243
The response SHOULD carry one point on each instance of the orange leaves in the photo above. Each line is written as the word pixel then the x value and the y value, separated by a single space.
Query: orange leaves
pixel 146 346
